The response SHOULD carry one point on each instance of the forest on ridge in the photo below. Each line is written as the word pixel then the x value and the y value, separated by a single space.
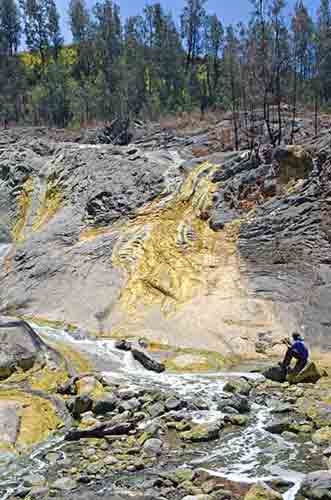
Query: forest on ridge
pixel 149 66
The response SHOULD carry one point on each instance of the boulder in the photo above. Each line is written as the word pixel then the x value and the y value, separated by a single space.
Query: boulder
pixel 294 162
pixel 99 431
pixel 21 348
pixel 238 386
pixel 316 486
pixel 13 357
pixel 174 404
pixel 202 432
pixel 237 402
pixel 153 446
pixel 89 386
pixel 64 484
pixel 261 491
pixel 276 374
pixel 147 362
pixel 123 345
pixel 105 405
pixel 322 436
pixel 9 423
pixel 309 375
pixel 79 405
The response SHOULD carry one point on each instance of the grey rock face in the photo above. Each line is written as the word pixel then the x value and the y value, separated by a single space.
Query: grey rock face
pixel 48 198
pixel 76 219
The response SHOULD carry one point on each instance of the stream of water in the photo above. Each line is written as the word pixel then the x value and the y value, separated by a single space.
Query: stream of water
pixel 246 455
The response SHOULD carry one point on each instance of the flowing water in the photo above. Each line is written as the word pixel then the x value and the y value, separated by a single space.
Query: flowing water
pixel 246 455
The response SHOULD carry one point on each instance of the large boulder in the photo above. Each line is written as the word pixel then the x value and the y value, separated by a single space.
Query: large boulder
pixel 309 375
pixel 315 486
pixel 275 373
pixel 202 432
pixel 13 357
pixel 147 362
pixel 294 162
pixel 21 348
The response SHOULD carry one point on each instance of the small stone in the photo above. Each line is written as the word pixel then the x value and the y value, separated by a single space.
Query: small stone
pixel 198 497
pixel 184 474
pixel 105 405
pixel 34 480
pixel 53 457
pixel 88 452
pixel 65 484
pixel 110 460
pixel 39 492
pixel 236 419
pixel 156 410
pixel 130 405
pixel 289 435
pixel 174 404
pixel 322 436
pixel 153 446
pixel 123 345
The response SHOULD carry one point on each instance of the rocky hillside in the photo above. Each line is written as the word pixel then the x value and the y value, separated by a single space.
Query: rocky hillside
pixel 227 252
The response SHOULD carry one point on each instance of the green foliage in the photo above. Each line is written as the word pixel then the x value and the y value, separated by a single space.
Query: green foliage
pixel 145 67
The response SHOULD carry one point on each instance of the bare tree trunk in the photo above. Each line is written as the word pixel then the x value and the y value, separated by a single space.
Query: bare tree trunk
pixel 294 106
pixel 316 114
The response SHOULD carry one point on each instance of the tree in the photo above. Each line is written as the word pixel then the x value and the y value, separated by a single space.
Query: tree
pixel 192 21
pixel 41 27
pixel 302 55
pixel 231 64
pixel 108 33
pixel 10 27
pixel 55 38
pixel 324 49
pixel 214 35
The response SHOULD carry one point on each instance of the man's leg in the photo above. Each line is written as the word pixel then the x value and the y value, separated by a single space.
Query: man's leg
pixel 299 365
pixel 287 359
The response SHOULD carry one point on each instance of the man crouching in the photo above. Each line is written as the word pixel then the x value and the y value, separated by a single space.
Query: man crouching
pixel 297 350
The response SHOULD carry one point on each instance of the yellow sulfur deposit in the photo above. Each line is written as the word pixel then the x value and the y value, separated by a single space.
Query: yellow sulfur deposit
pixel 24 202
pixel 49 206
pixel 164 249
pixel 38 417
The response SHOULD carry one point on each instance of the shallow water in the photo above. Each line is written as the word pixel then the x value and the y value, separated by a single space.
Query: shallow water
pixel 246 455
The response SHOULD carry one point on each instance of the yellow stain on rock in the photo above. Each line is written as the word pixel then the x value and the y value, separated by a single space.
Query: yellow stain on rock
pixel 24 203
pixel 50 205
pixel 38 417
pixel 164 249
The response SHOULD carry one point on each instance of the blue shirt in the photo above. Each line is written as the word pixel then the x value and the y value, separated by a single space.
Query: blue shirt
pixel 299 347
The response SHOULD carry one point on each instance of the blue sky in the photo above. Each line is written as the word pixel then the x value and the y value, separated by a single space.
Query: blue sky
pixel 229 11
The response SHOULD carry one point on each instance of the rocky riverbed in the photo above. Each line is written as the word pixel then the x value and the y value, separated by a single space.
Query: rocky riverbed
pixel 124 432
